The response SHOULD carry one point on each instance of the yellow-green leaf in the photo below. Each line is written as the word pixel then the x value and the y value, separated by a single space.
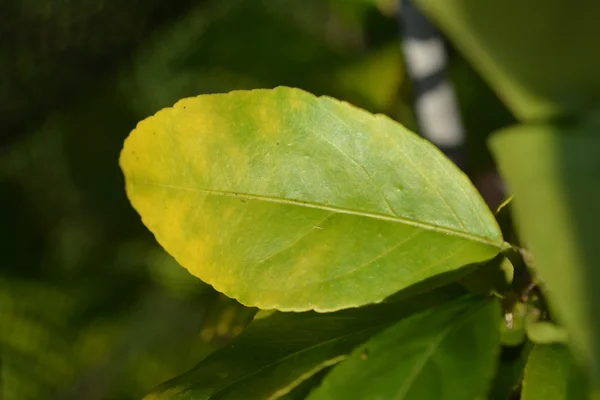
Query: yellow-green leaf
pixel 284 200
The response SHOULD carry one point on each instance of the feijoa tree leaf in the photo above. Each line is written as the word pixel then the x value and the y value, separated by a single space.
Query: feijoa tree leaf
pixel 551 374
pixel 447 352
pixel 284 200
pixel 277 354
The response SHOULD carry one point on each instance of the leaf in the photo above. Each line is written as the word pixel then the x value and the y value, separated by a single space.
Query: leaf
pixel 545 332
pixel 557 211
pixel 538 70
pixel 284 200
pixel 448 352
pixel 276 354
pixel 551 374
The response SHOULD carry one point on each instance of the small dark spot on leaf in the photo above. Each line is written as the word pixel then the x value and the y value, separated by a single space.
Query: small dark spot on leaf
pixel 277 143
pixel 243 201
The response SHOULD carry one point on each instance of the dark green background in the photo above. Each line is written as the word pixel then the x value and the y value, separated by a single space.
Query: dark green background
pixel 90 306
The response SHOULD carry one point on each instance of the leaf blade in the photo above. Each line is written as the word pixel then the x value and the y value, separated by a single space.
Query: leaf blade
pixel 279 352
pixel 284 200
pixel 551 374
pixel 423 357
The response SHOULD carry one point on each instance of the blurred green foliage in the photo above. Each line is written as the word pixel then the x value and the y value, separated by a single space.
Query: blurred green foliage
pixel 90 306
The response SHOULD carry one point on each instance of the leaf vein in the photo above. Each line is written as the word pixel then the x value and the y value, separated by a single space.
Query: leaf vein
pixel 397 219
pixel 302 236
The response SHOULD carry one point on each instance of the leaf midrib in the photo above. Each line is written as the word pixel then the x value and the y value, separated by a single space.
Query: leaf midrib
pixel 396 219
pixel 459 322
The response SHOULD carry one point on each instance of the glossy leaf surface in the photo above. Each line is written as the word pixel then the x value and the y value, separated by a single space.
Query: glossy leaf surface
pixel 278 353
pixel 551 374
pixel 284 200
pixel 448 352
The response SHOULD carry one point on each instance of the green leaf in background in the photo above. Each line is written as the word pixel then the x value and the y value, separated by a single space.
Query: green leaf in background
pixel 278 353
pixel 284 200
pixel 545 332
pixel 557 210
pixel 447 352
pixel 535 53
pixel 551 374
